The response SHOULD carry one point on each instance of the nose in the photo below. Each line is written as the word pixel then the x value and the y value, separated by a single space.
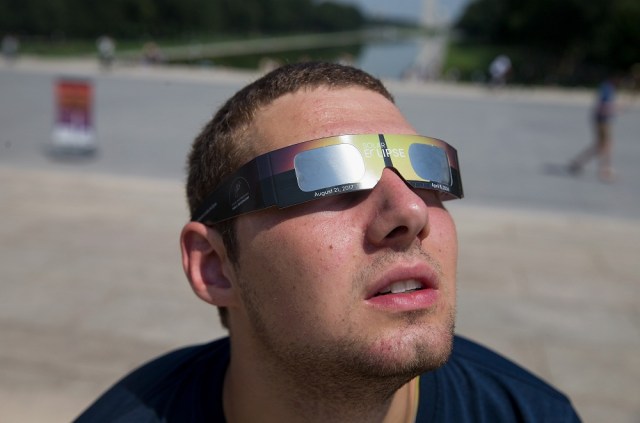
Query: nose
pixel 399 215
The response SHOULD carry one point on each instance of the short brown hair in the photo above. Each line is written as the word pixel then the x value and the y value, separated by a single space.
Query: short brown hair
pixel 224 143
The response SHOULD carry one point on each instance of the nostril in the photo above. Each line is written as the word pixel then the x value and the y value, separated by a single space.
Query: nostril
pixel 398 231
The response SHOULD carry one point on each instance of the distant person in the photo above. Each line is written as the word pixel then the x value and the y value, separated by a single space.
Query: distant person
pixel 10 47
pixel 601 148
pixel 151 53
pixel 499 69
pixel 319 231
pixel 635 80
pixel 106 51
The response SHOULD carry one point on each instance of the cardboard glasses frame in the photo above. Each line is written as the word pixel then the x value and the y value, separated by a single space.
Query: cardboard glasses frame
pixel 331 166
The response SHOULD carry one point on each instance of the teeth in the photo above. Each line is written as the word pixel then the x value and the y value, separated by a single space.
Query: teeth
pixel 398 287
pixel 402 286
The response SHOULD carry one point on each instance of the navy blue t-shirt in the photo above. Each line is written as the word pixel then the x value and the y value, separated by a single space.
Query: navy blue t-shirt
pixel 475 385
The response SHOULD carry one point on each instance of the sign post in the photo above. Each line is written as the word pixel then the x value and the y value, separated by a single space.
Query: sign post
pixel 73 130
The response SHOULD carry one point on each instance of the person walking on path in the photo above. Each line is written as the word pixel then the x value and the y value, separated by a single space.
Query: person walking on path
pixel 603 115
pixel 106 51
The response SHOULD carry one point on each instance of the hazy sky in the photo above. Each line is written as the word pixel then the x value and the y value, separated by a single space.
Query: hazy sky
pixel 407 9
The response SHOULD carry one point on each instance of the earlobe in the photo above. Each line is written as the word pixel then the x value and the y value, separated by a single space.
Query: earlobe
pixel 206 264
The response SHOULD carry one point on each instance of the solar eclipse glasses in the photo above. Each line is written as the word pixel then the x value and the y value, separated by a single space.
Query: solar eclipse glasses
pixel 332 166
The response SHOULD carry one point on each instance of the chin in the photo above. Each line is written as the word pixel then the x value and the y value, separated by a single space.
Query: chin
pixel 412 353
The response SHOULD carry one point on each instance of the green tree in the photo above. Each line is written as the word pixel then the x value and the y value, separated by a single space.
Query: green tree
pixel 331 16
pixel 287 15
pixel 160 18
pixel 568 38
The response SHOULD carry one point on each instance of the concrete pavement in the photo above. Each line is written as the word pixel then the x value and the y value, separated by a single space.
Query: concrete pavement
pixel 91 286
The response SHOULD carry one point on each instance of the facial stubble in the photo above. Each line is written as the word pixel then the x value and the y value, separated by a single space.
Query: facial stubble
pixel 348 363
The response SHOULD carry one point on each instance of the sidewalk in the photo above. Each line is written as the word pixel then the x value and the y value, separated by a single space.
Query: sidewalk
pixel 89 66
pixel 91 286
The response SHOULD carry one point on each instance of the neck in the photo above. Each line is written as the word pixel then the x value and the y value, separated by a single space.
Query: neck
pixel 251 395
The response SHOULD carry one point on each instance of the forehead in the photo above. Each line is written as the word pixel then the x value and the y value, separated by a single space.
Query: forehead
pixel 321 112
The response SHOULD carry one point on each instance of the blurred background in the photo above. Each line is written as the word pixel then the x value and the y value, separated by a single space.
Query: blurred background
pixel 99 103
pixel 548 42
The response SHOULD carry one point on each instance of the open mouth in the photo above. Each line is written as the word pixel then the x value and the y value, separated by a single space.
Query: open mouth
pixel 400 287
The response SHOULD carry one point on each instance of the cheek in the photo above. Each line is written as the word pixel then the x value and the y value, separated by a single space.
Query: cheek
pixel 294 277
pixel 442 239
pixel 295 257
pixel 335 245
pixel 316 245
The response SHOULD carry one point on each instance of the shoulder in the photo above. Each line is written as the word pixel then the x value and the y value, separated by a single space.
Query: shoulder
pixel 168 385
pixel 479 384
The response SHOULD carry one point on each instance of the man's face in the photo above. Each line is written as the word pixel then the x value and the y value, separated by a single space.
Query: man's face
pixel 314 279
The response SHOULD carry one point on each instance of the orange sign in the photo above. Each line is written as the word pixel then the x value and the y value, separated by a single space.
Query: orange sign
pixel 73 126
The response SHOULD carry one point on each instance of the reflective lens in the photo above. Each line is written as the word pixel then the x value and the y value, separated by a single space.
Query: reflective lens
pixel 328 167
pixel 430 163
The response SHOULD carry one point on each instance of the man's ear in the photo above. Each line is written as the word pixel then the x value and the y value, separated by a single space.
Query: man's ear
pixel 206 264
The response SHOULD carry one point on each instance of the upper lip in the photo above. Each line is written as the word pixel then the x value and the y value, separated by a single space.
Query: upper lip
pixel 421 272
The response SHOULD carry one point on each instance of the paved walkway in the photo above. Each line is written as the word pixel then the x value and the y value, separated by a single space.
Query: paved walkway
pixel 91 286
